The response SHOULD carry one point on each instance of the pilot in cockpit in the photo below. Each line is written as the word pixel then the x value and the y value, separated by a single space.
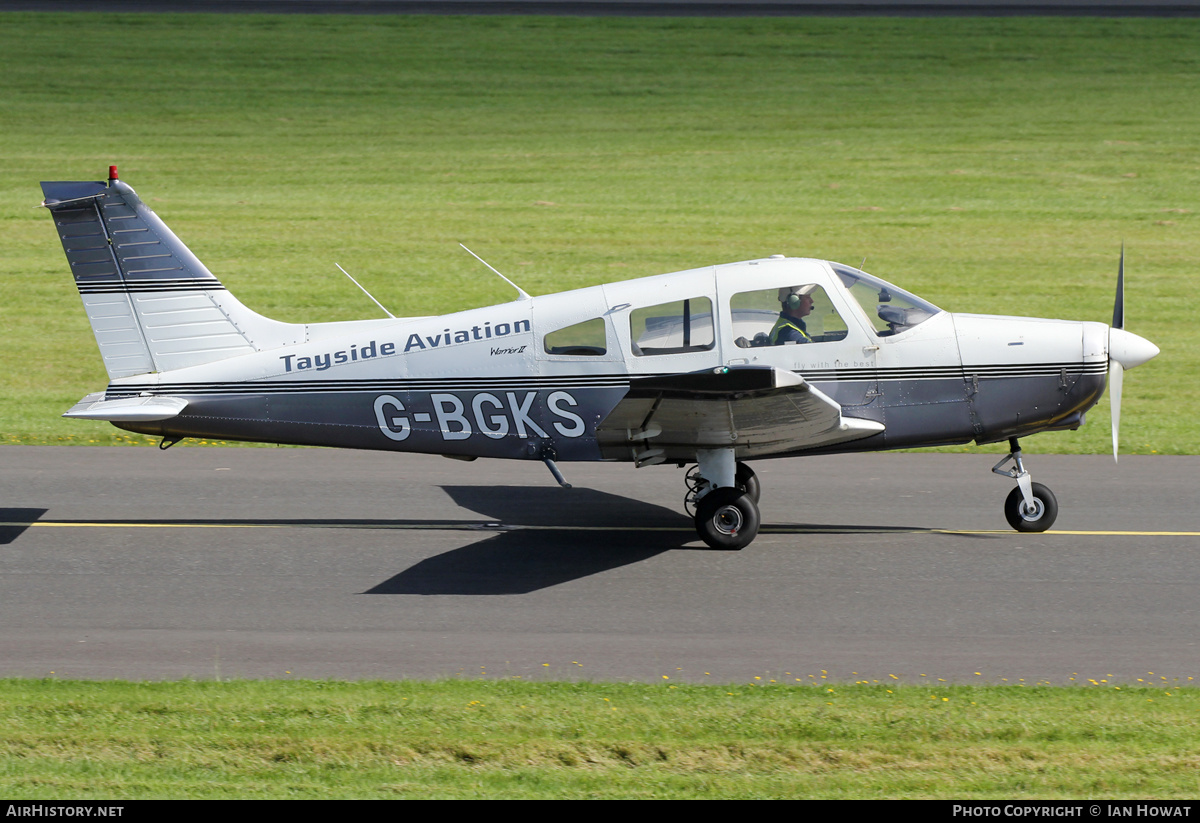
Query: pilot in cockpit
pixel 796 303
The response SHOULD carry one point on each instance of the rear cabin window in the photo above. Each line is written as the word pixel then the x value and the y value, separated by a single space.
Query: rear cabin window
pixel 672 328
pixel 584 339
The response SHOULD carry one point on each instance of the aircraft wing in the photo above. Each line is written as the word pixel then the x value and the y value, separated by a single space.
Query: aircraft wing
pixel 757 410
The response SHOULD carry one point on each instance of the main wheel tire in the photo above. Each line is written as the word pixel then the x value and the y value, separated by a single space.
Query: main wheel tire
pixel 1040 518
pixel 747 481
pixel 727 518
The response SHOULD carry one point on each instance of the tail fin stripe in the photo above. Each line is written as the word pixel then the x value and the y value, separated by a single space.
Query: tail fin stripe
pixel 147 284
pixel 147 290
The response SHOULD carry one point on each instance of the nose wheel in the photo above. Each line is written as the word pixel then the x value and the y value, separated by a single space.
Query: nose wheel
pixel 1035 517
pixel 1030 507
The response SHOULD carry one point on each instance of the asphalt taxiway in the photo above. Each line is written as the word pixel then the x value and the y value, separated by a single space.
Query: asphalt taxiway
pixel 274 563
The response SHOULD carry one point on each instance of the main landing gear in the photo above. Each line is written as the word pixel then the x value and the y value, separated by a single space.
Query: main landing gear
pixel 1030 507
pixel 723 498
pixel 726 513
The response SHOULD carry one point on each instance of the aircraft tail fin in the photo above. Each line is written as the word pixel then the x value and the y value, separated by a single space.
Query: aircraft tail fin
pixel 152 304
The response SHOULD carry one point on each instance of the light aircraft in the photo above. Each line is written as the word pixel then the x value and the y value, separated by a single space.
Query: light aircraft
pixel 715 366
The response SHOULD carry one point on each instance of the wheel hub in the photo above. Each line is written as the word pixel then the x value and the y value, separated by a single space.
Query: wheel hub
pixel 727 520
pixel 1033 512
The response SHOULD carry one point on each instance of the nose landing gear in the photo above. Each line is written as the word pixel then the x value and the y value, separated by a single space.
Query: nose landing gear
pixel 1030 507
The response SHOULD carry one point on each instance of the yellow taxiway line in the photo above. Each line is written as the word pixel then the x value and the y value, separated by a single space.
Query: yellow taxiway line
pixel 492 526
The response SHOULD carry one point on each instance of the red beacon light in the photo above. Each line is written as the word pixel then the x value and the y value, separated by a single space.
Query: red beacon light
pixel 112 173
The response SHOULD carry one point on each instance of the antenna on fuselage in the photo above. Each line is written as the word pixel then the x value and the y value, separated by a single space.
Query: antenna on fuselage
pixel 364 291
pixel 520 291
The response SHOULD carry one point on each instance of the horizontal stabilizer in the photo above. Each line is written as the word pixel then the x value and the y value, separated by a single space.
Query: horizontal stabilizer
pixel 128 409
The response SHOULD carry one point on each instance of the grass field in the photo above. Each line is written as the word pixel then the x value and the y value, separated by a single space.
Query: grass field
pixel 508 739
pixel 991 165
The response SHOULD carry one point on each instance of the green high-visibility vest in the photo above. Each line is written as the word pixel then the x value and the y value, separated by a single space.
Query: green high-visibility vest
pixel 786 323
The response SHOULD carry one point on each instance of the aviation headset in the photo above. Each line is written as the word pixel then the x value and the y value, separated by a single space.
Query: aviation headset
pixel 791 297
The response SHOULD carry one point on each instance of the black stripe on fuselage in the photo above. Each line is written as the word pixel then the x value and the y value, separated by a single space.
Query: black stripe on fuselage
pixel 535 382
pixel 388 385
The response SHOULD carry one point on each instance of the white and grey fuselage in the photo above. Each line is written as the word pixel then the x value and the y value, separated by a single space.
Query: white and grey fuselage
pixel 649 370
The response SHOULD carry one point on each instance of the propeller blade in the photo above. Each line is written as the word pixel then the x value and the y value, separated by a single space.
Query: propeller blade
pixel 1116 377
pixel 1119 305
pixel 1125 351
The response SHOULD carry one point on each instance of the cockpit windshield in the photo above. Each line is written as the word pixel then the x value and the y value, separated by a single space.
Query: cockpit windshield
pixel 890 310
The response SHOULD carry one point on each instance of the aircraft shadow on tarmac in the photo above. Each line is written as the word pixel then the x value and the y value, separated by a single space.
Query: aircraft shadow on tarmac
pixel 13 522
pixel 538 537
pixel 545 536
pixel 548 535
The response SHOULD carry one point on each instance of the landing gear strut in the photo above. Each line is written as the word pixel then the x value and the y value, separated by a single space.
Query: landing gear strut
pixel 726 516
pixel 1030 507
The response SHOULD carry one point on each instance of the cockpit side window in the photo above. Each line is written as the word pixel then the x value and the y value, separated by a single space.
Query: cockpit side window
pixel 777 317
pixel 586 339
pixel 890 310
pixel 672 328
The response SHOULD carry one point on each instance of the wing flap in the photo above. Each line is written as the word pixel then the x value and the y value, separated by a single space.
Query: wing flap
pixel 755 410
